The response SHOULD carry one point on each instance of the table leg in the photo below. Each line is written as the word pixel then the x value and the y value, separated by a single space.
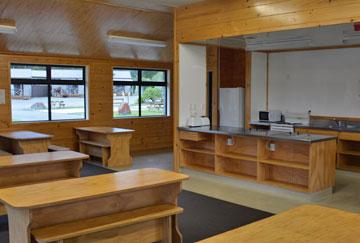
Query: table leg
pixel 19 225
pixel 120 150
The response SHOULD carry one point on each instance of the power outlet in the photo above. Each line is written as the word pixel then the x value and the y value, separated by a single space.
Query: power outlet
pixel 272 147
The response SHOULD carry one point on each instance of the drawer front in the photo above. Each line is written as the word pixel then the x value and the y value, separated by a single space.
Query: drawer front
pixel 192 136
pixel 352 136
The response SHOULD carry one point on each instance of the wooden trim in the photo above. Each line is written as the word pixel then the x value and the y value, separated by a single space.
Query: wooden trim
pixel 247 89
pixel 176 145
pixel 267 81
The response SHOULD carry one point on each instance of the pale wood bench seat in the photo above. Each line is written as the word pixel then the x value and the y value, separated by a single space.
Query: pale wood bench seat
pixel 97 149
pixel 4 153
pixel 96 144
pixel 93 225
pixel 54 148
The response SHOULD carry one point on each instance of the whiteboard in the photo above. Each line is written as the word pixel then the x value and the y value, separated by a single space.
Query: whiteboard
pixel 327 82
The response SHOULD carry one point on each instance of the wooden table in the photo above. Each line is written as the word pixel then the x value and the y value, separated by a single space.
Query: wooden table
pixel 36 206
pixel 112 144
pixel 34 168
pixel 309 223
pixel 24 142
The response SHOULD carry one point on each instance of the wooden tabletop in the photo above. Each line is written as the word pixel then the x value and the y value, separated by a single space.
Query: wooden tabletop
pixel 25 135
pixel 59 192
pixel 104 130
pixel 309 223
pixel 28 159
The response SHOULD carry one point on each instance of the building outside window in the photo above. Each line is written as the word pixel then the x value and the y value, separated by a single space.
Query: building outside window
pixel 140 93
pixel 47 93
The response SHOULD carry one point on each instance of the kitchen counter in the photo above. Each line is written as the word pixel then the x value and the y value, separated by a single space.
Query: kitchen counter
pixel 346 128
pixel 298 162
pixel 233 131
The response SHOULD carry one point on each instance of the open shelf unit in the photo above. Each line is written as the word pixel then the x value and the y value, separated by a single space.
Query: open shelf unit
pixel 239 168
pixel 348 149
pixel 197 151
pixel 292 165
pixel 349 152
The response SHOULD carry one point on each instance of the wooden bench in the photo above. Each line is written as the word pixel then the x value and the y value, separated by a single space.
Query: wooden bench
pixel 56 148
pixel 124 221
pixel 24 169
pixel 109 143
pixel 25 142
pixel 4 153
pixel 125 206
pixel 96 149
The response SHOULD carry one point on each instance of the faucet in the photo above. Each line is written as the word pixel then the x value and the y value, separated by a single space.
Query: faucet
pixel 339 123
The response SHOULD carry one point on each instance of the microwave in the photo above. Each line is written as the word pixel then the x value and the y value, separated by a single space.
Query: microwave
pixel 271 116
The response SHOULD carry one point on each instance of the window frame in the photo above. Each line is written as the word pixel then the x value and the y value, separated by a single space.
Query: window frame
pixel 140 83
pixel 49 81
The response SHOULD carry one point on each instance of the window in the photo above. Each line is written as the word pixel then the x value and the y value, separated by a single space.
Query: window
pixel 140 93
pixel 47 93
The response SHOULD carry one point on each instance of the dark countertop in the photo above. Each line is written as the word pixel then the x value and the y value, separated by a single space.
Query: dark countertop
pixel 233 131
pixel 321 125
pixel 348 128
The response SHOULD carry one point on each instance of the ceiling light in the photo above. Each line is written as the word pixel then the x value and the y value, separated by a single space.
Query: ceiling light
pixel 136 41
pixel 7 28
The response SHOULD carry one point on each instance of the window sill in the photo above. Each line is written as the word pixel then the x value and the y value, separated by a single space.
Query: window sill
pixel 139 117
pixel 54 121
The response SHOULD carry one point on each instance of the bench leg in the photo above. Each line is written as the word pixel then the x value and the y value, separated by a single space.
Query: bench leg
pixel 82 148
pixel 167 231
pixel 175 232
pixel 105 155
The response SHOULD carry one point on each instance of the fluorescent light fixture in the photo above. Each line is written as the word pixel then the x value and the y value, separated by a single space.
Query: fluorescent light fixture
pixel 7 29
pixel 281 44
pixel 136 41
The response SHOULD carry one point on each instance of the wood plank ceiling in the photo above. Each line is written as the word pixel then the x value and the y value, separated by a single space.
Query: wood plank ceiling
pixel 79 28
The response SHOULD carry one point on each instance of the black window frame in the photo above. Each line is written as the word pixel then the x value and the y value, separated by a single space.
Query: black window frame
pixel 49 81
pixel 140 83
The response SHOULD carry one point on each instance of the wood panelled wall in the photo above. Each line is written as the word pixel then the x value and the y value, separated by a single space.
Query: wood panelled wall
pixel 150 133
pixel 218 18
pixel 232 68
pixel 214 19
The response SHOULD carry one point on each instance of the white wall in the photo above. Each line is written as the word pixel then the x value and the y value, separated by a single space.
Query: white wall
pixel 192 80
pixel 258 84
pixel 327 82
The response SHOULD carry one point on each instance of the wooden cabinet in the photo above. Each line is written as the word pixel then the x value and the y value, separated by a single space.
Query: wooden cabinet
pixel 295 165
pixel 349 151
pixel 348 147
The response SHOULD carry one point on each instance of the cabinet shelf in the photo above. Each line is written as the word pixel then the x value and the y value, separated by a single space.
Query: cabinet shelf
pixel 237 156
pixel 349 167
pixel 289 164
pixel 350 152
pixel 201 151
pixel 290 186
pixel 237 175
pixel 198 168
